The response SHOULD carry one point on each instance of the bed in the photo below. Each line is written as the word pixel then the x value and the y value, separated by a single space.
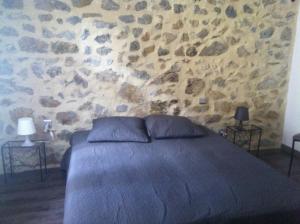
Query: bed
pixel 194 180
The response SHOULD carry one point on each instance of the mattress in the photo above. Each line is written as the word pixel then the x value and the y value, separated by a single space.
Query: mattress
pixel 201 180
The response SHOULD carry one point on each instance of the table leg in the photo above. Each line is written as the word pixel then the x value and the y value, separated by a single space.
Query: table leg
pixel 3 164
pixel 40 158
pixel 10 160
pixel 234 137
pixel 45 159
pixel 250 140
pixel 258 144
pixel 291 160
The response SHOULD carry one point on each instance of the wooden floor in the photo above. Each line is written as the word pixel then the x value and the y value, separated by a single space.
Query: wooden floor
pixel 25 200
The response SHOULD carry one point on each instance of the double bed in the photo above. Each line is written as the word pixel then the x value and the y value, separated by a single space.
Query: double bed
pixel 178 180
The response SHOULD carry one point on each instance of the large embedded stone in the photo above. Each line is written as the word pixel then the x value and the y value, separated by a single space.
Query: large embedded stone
pixel 170 75
pixel 29 28
pixel 45 17
pixel 6 68
pixel 30 44
pixel 37 69
pixel 143 75
pixel 13 4
pixel 67 118
pixel 145 19
pixel 247 9
pixel 49 101
pixel 127 18
pixel 162 51
pixel 134 46
pixel 169 37
pixel 203 33
pixel 242 52
pixel 286 34
pixel 159 107
pixel 215 49
pixel 148 50
pixel 122 108
pixel 137 32
pixel 200 11
pixel 194 86
pixel 214 118
pixel 81 3
pixel 180 51
pixel 110 5
pixel 267 83
pixel 54 71
pixel 231 12
pixel 80 81
pixel 140 5
pixel 131 93
pixel 101 39
pixel 223 107
pixel 104 25
pixel 191 51
pixel 165 5
pixel 50 5
pixel 267 33
pixel 74 20
pixel 103 50
pixel 107 76
pixel 268 2
pixel 179 8
pixel 61 47
pixel 178 25
pixel 8 31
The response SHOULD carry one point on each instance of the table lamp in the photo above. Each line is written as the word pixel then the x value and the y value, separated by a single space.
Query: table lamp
pixel 241 114
pixel 26 127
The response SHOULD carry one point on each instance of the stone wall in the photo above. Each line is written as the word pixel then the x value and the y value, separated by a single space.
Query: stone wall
pixel 75 60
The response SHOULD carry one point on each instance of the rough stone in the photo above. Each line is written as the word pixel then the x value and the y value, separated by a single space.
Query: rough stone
pixel 80 81
pixel 165 5
pixel 110 5
pixel 247 9
pixel 133 58
pixel 267 33
pixel 185 37
pixel 67 35
pixel 231 12
pixel 145 19
pixel 169 37
pixel 178 25
pixel 54 71
pixel 158 107
pixel 242 52
pixel 131 93
pixel 121 108
pixel 200 11
pixel 33 45
pixel 140 5
pixel 286 34
pixel 178 8
pixel 49 101
pixel 127 18
pixel 61 47
pixel 224 107
pixel 143 75
pixel 134 46
pixel 47 33
pixel 194 86
pixel 69 61
pixel 162 51
pixel 6 68
pixel 81 3
pixel 268 2
pixel 37 69
pixel 19 112
pixel 29 28
pixel 203 33
pixel 107 76
pixel 103 39
pixel 146 36
pixel 215 49
pixel 103 51
pixel 209 119
pixel 170 75
pixel 148 50
pixel 74 20
pixel 8 31
pixel 104 25
pixel 87 106
pixel 50 5
pixel 180 51
pixel 45 17
pixel 267 83
pixel 137 32
pixel 67 118
pixel 191 52
pixel 13 4
pixel 86 33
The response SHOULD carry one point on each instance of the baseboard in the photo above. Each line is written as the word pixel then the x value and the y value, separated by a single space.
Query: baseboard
pixel 288 149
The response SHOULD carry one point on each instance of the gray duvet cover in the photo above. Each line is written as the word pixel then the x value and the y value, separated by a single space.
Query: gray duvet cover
pixel 201 180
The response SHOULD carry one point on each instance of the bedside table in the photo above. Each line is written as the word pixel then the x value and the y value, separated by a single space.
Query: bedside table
pixel 245 135
pixel 7 152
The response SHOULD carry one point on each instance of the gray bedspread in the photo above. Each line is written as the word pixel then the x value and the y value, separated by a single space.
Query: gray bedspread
pixel 203 180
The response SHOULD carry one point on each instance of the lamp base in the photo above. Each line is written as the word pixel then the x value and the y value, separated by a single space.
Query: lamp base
pixel 27 142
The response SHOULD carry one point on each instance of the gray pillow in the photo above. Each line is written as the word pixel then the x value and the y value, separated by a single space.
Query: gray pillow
pixel 165 126
pixel 118 129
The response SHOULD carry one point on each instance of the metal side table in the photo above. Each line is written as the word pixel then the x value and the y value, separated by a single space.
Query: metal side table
pixel 7 152
pixel 296 138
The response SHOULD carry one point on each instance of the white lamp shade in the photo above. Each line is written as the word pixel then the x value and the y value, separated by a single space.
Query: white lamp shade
pixel 26 126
